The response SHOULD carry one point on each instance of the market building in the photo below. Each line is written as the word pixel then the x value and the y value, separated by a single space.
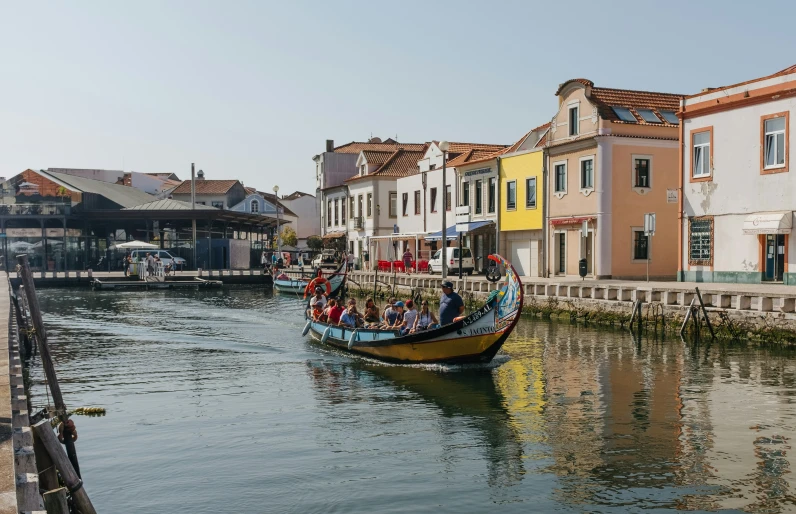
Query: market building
pixel 738 195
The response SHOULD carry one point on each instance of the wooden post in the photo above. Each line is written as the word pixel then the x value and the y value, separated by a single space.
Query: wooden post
pixel 22 329
pixel 72 481
pixel 55 501
pixel 48 477
pixel 687 316
pixel 633 314
pixel 705 313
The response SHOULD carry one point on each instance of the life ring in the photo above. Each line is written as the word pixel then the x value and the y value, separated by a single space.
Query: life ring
pixel 315 282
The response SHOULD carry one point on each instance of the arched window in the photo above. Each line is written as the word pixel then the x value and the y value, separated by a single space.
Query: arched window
pixel 255 206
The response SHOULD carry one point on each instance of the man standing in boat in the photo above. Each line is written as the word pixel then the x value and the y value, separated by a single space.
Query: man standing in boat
pixel 451 304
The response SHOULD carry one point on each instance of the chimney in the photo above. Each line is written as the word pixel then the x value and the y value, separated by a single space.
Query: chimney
pixel 127 179
pixel 330 145
pixel 200 175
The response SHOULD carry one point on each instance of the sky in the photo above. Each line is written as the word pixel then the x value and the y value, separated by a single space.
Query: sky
pixel 251 90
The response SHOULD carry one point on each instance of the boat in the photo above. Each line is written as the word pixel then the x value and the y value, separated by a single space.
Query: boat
pixel 474 338
pixel 284 283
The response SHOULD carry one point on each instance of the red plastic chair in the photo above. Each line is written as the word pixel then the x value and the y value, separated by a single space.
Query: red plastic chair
pixel 422 267
pixel 384 265
pixel 398 266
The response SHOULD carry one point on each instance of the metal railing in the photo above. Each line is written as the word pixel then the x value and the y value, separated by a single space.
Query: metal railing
pixel 35 209
pixel 358 222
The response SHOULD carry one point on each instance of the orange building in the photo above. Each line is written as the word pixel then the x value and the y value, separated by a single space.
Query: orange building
pixel 612 157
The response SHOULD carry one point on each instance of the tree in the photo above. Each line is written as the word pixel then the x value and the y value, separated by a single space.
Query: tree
pixel 289 237
pixel 315 243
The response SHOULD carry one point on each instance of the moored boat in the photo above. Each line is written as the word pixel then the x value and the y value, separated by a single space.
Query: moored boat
pixel 474 338
pixel 296 285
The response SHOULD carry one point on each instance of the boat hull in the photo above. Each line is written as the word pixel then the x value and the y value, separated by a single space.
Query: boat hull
pixel 296 286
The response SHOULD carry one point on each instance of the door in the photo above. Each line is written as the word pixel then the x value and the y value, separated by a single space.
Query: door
pixel 588 252
pixel 520 257
pixel 775 257
pixel 560 262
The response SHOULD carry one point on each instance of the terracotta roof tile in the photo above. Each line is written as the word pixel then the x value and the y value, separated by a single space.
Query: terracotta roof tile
pixel 356 147
pixel 786 71
pixel 585 82
pixel 475 156
pixel 377 158
pixel 205 187
pixel 605 98
pixel 402 163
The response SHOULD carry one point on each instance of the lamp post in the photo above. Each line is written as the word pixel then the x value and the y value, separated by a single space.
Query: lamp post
pixel 278 235
pixel 444 146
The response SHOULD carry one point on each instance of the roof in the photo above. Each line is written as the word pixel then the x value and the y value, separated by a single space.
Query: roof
pixel 377 157
pixel 786 71
pixel 125 196
pixel 296 194
pixel 205 187
pixel 585 82
pixel 168 205
pixel 356 147
pixel 476 155
pixel 402 163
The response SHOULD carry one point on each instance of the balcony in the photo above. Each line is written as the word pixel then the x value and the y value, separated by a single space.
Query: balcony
pixel 35 209
pixel 358 223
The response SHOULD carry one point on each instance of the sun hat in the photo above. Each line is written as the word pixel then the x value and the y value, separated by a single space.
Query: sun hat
pixel 399 304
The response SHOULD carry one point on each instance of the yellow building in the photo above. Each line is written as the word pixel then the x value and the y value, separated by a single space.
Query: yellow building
pixel 521 203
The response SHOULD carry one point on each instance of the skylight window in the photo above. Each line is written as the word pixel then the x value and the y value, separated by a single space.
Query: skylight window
pixel 648 115
pixel 670 117
pixel 624 114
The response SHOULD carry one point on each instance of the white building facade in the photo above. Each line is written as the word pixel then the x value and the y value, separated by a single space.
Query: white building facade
pixel 738 194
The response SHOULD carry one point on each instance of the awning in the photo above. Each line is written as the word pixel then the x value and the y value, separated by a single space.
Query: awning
pixel 574 220
pixel 398 237
pixel 451 233
pixel 768 223
pixel 334 235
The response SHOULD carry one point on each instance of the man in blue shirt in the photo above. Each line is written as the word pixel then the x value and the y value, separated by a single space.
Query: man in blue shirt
pixel 451 304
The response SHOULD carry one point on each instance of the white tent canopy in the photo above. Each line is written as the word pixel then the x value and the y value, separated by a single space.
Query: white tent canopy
pixel 134 244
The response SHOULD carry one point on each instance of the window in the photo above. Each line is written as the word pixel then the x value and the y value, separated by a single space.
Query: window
pixel 362 169
pixel 218 205
pixel 328 213
pixel 478 197
pixel 624 114
pixel 511 195
pixel 641 175
pixel 370 205
pixel 587 174
pixel 393 204
pixel 336 211
pixel 640 245
pixel 702 157
pixel 573 121
pixel 351 210
pixel 255 206
pixel 774 144
pixel 670 117
pixel 561 178
pixel 405 203
pixel 465 194
pixel 433 199
pixel 342 211
pixel 530 193
pixel 359 206
pixel 448 201
pixel 700 241
pixel 417 202
pixel 491 194
pixel 648 116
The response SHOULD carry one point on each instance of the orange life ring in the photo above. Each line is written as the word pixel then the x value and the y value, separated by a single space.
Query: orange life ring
pixel 315 282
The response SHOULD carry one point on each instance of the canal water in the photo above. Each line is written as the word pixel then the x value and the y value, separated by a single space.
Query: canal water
pixel 215 403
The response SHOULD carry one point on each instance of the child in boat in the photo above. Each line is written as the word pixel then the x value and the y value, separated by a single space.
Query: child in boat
pixel 410 315
pixel 317 311
pixel 425 319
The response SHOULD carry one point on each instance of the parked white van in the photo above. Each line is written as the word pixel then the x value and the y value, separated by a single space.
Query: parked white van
pixel 435 264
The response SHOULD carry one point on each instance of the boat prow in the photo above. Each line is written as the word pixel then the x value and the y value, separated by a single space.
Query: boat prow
pixel 296 285
pixel 475 338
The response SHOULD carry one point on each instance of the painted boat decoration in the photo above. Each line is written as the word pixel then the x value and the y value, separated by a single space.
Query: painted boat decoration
pixel 291 285
pixel 475 338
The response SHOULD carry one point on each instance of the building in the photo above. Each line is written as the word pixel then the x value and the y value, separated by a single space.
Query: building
pixel 738 194
pixel 521 222
pixel 222 194
pixel 612 156
pixel 307 220
pixel 158 184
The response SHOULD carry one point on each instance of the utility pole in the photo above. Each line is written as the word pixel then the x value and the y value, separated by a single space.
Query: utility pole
pixel 444 145
pixel 193 215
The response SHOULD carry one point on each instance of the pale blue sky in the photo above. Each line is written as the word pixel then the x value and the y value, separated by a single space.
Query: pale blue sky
pixel 251 90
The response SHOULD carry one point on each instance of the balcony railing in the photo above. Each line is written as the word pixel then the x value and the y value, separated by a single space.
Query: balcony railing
pixel 35 209
pixel 358 222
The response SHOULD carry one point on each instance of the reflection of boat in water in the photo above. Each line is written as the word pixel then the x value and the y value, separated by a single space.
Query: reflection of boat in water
pixel 471 339
pixel 295 285
pixel 471 393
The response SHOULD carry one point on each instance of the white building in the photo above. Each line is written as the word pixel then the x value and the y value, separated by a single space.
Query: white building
pixel 738 194
pixel 305 208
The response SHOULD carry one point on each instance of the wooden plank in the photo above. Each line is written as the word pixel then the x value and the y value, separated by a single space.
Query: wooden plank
pixel 687 316
pixel 55 501
pixel 45 433
pixel 705 313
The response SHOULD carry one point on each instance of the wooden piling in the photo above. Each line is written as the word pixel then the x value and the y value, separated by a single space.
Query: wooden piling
pixel 44 431
pixel 705 313
pixel 48 477
pixel 687 316
pixel 55 501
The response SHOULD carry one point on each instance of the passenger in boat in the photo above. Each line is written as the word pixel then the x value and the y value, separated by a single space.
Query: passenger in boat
pixel 334 311
pixel 352 304
pixel 394 317
pixel 451 304
pixel 350 317
pixel 425 319
pixel 410 315
pixel 317 311
pixel 371 312
pixel 319 296
pixel 388 309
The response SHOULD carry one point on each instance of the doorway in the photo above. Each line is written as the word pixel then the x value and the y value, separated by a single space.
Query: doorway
pixel 560 256
pixel 774 258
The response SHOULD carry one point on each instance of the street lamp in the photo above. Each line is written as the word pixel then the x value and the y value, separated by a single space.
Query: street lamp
pixel 278 235
pixel 444 146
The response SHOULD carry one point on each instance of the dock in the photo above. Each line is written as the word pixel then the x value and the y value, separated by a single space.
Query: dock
pixel 168 283
pixel 44 279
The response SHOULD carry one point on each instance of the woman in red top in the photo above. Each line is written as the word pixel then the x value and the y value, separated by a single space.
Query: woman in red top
pixel 334 311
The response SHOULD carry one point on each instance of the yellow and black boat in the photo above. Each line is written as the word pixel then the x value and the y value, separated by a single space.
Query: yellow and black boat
pixel 472 339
